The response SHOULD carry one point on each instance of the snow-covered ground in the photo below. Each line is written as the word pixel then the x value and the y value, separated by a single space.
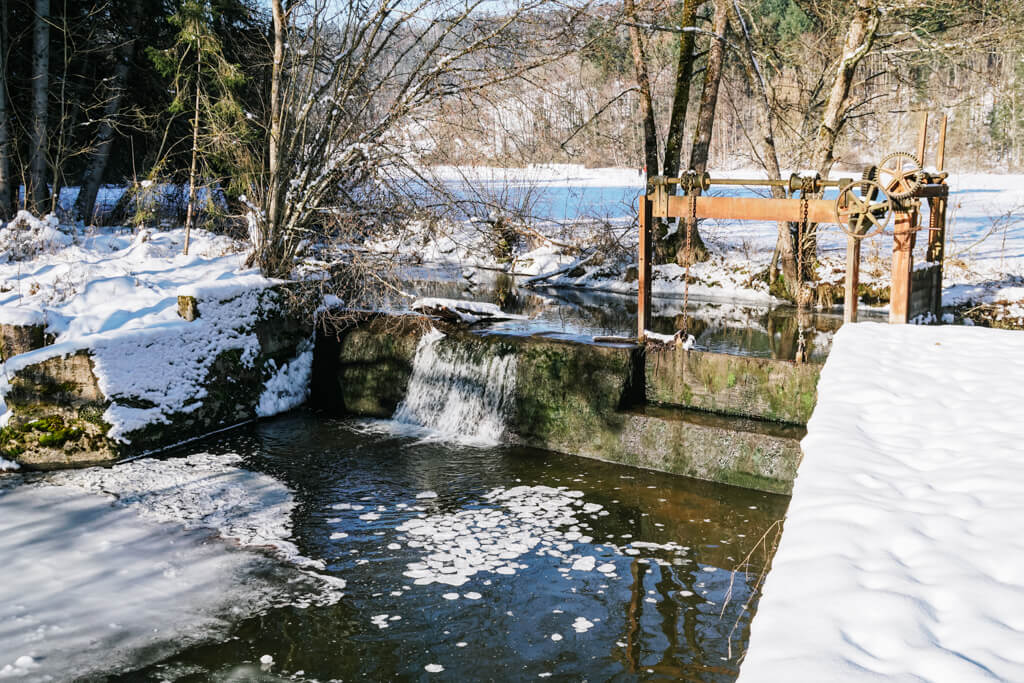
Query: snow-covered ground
pixel 594 210
pixel 104 568
pixel 901 554
pixel 116 293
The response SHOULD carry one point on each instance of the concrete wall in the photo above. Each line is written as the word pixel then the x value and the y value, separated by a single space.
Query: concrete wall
pixel 58 407
pixel 763 388
pixel 581 399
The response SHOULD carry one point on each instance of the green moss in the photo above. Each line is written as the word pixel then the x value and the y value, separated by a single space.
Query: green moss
pixel 58 438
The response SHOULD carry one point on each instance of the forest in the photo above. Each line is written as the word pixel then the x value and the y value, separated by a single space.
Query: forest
pixel 293 119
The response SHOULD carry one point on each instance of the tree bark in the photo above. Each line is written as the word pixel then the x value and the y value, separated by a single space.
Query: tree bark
pixel 37 193
pixel 709 94
pixel 5 135
pixel 190 209
pixel 765 148
pixel 681 96
pixel 643 82
pixel 272 221
pixel 92 176
pixel 859 39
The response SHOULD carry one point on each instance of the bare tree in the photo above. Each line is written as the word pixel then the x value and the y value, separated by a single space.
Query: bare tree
pixel 643 81
pixel 37 194
pixel 5 134
pixel 92 176
pixel 344 88
pixel 709 93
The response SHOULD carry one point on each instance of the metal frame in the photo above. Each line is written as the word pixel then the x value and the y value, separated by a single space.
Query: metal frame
pixel 658 203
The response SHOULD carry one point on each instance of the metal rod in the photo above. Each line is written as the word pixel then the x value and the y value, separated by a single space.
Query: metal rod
pixel 763 182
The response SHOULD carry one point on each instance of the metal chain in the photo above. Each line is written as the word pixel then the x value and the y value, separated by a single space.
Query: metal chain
pixel 686 276
pixel 802 227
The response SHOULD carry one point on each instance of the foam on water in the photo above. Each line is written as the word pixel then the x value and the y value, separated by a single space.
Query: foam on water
pixel 458 395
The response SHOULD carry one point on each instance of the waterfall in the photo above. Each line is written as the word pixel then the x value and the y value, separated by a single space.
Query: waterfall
pixel 458 393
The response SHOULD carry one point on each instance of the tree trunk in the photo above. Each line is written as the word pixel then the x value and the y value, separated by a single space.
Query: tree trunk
pixel 37 192
pixel 766 150
pixel 676 246
pixel 709 95
pixel 859 38
pixel 92 177
pixel 5 135
pixel 190 209
pixel 272 225
pixel 643 82
pixel 681 96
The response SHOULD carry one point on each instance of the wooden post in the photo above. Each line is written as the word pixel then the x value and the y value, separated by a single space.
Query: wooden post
pixel 940 153
pixel 852 279
pixel 922 138
pixel 643 301
pixel 902 267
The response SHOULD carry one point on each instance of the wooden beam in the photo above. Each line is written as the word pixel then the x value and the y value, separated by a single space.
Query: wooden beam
pixel 753 209
pixel 643 309
pixel 852 279
pixel 922 138
pixel 902 266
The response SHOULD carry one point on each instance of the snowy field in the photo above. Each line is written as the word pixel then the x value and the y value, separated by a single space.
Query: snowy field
pixel 901 554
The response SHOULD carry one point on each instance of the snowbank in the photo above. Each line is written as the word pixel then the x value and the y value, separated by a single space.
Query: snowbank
pixel 901 554
pixel 90 587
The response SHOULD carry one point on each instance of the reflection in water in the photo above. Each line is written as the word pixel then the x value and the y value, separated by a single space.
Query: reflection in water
pixel 671 605
pixel 578 313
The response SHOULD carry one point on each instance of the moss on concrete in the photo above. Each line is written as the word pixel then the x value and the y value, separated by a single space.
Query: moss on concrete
pixel 763 388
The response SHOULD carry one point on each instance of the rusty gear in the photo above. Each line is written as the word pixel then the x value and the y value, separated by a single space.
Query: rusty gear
pixel 865 214
pixel 899 182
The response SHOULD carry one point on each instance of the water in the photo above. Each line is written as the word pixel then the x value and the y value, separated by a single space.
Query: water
pixel 672 610
pixel 578 314
pixel 459 396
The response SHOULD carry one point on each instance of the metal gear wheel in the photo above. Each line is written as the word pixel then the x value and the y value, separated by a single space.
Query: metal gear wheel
pixel 901 175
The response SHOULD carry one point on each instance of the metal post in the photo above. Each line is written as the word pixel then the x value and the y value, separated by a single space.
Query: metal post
pixel 852 279
pixel 643 308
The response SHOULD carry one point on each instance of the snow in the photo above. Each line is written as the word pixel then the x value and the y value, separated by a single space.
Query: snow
pixel 106 569
pixel 468 311
pixel 8 465
pixel 289 386
pixel 901 553
pixel 116 294
pixel 594 210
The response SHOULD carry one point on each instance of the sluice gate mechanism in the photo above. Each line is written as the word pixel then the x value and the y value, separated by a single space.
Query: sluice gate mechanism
pixel 893 191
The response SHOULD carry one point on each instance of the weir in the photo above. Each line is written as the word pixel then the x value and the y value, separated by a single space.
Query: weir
pixel 465 398
pixel 711 416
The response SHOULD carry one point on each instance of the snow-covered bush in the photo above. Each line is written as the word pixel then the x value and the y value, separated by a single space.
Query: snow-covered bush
pixel 27 236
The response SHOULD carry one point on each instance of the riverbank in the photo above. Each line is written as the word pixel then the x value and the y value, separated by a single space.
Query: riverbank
pixel 901 551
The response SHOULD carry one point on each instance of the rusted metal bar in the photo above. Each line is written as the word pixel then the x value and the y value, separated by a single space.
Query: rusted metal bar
pixel 933 190
pixel 902 266
pixel 754 182
pixel 643 309
pixel 753 209
pixel 852 279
